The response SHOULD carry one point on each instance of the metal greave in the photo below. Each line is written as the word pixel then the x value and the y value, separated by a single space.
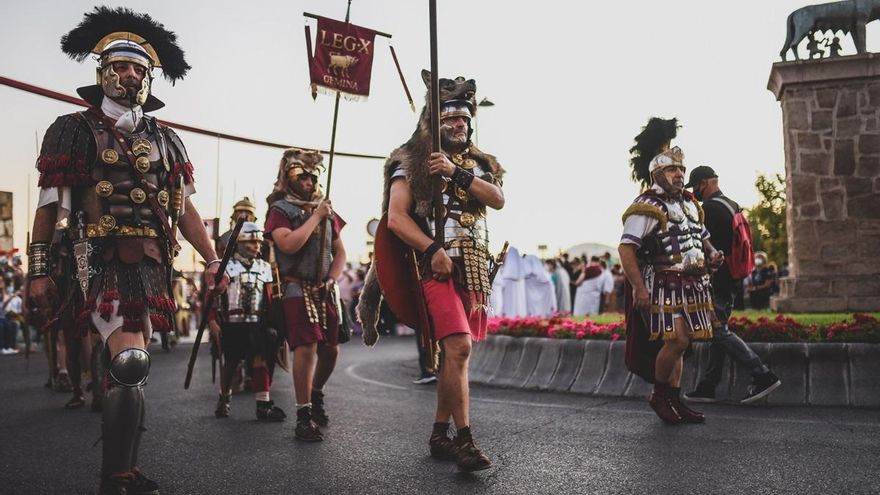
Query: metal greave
pixel 121 427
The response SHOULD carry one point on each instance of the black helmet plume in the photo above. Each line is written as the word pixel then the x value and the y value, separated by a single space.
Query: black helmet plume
pixel 649 143
pixel 83 39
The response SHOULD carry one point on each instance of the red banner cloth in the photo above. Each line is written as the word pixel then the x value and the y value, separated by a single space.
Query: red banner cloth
pixel 343 59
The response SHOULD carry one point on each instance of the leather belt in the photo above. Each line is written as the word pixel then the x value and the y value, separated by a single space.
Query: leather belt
pixel 94 230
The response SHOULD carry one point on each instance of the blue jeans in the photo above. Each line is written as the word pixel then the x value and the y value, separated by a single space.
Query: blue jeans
pixel 8 333
pixel 725 342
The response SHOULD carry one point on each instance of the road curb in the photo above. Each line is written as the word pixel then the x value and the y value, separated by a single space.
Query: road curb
pixel 822 374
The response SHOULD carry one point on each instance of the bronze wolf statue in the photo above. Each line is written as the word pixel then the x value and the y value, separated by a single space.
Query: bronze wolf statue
pixel 849 16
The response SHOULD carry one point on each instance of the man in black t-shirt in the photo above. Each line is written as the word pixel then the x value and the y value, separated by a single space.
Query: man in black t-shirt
pixel 719 211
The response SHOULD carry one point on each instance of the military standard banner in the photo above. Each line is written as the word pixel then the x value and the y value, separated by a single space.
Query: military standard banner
pixel 343 58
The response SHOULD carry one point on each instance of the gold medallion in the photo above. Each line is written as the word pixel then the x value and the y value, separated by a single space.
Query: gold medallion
pixel 138 195
pixel 107 222
pixel 444 186
pixel 457 159
pixel 104 188
pixel 141 146
pixel 467 219
pixel 142 164
pixel 462 194
pixel 109 156
pixel 469 163
pixel 163 197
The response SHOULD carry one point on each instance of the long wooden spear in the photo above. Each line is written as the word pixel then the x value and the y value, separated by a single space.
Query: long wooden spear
pixel 439 213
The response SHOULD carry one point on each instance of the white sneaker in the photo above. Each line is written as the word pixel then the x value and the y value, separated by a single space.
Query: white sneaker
pixel 425 380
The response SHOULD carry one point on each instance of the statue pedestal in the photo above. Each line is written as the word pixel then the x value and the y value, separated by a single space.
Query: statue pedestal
pixel 831 127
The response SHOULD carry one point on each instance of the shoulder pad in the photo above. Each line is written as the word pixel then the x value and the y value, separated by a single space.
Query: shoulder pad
pixel 289 209
pixel 649 206
pixel 67 153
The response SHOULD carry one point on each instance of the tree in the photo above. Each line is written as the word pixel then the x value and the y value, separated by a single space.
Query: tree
pixel 767 219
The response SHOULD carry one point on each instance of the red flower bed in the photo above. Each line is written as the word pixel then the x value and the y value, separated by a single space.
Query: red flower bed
pixel 556 327
pixel 782 328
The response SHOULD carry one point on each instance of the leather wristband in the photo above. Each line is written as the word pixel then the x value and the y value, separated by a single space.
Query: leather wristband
pixel 433 248
pixel 463 178
pixel 38 259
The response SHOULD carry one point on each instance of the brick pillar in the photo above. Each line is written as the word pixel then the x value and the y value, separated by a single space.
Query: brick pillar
pixel 831 127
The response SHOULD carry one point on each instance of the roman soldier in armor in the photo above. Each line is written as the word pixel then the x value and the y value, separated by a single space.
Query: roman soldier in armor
pixel 308 250
pixel 243 208
pixel 114 186
pixel 243 332
pixel 667 257
pixel 454 276
pixel 248 210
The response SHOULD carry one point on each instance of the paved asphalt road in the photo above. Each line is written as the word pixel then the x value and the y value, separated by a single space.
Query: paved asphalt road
pixel 377 441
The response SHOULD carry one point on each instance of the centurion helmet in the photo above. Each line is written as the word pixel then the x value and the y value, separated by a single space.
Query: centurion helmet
pixel 246 205
pixel 669 158
pixel 250 231
pixel 652 143
pixel 121 35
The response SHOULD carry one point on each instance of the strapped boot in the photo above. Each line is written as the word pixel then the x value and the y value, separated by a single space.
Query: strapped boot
pixel 661 403
pixel 223 407
pixel 319 414
pixel 306 430
pixel 442 447
pixel 687 414
pixel 470 457
pixel 268 411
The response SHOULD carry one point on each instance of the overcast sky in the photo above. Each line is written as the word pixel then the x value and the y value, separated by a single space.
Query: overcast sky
pixel 572 83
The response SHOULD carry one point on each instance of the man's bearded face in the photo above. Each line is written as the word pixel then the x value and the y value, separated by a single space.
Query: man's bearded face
pixel 303 185
pixel 454 133
pixel 131 77
pixel 671 179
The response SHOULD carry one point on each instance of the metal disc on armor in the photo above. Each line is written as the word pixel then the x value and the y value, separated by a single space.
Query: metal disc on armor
pixel 163 197
pixel 138 195
pixel 444 186
pixel 142 164
pixel 457 159
pixel 107 222
pixel 141 146
pixel 104 188
pixel 467 219
pixel 109 156
pixel 469 163
pixel 462 194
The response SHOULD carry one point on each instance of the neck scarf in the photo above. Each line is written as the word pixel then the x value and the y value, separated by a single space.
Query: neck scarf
pixel 127 119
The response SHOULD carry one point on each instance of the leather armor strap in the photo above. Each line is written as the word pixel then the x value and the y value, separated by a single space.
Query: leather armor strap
pixel 142 182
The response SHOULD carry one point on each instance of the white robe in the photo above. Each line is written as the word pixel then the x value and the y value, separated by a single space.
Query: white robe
pixel 563 294
pixel 587 297
pixel 540 293
pixel 513 286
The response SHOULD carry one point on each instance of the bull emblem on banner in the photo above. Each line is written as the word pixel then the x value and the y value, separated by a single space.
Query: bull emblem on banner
pixel 339 64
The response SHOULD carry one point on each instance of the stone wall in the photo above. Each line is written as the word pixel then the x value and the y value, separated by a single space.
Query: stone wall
pixel 831 128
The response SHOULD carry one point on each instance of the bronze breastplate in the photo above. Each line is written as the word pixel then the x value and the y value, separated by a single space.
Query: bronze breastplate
pixel 115 204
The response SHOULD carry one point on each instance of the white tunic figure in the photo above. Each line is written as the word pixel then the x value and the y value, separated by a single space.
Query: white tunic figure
pixel 563 294
pixel 540 293
pixel 513 286
pixel 589 292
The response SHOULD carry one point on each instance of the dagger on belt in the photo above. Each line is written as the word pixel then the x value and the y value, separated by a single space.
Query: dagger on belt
pixel 499 261
pixel 82 251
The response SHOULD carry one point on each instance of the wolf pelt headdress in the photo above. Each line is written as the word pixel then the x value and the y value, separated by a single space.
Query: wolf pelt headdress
pixel 412 156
